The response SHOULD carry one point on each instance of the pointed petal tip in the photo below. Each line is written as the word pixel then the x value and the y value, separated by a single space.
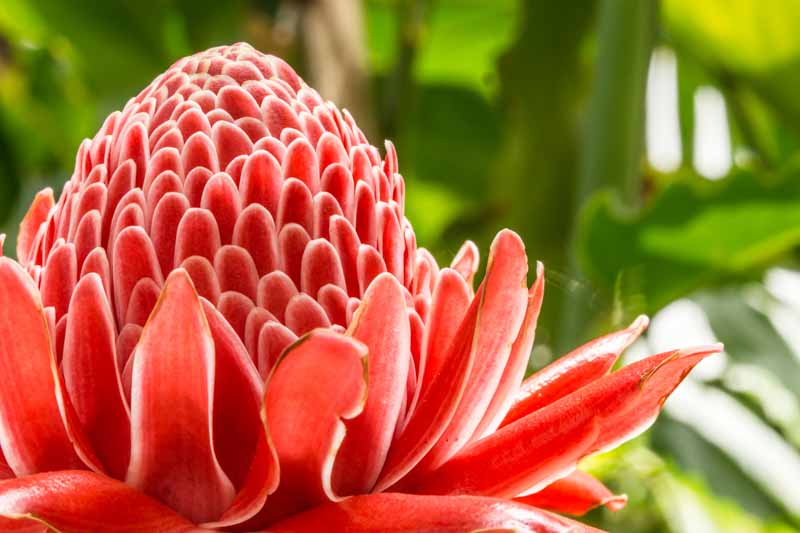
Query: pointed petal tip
pixel 180 278
pixel 695 353
pixel 701 349
pixel 179 273
pixel 92 278
pixel 640 324
pixel 536 291
pixel 37 213
pixel 467 261
pixel 507 234
pixel 383 284
pixel 469 248
pixel 179 281
pixel 615 503
pixel 575 494
pixel 667 374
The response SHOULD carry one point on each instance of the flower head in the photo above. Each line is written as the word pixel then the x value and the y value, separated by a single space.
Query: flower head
pixel 225 320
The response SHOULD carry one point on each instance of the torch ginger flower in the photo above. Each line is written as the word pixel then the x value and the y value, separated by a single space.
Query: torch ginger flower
pixel 225 323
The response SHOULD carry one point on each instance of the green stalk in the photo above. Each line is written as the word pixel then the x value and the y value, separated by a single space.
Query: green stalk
pixel 411 19
pixel 613 140
pixel 612 145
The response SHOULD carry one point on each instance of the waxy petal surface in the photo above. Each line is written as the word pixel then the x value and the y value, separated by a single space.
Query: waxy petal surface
pixel 396 513
pixel 92 378
pixel 450 300
pixel 545 445
pixel 172 457
pixel 580 367
pixel 381 323
pixel 37 213
pixel 502 312
pixel 318 382
pixel 32 434
pixel 436 409
pixel 240 438
pixel 517 362
pixel 78 500
pixel 575 494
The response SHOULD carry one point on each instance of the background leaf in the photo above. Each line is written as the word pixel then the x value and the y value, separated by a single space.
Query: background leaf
pixel 693 234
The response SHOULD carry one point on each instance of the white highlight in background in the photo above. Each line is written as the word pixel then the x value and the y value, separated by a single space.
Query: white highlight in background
pixel 662 127
pixel 784 284
pixel 684 323
pixel 712 138
pixel 753 445
pixel 784 313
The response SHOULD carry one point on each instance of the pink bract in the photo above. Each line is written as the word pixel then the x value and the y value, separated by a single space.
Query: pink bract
pixel 224 322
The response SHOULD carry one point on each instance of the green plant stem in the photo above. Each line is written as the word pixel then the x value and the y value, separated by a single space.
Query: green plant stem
pixel 411 16
pixel 613 138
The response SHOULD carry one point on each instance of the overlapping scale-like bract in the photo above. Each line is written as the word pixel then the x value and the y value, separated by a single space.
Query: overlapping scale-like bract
pixel 228 165
pixel 224 320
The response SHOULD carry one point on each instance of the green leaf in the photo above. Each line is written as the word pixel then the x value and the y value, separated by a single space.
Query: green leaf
pixel 463 40
pixel 744 35
pixel 694 233
pixel 136 43
pixel 750 45
pixel 381 26
pixel 694 454
pixel 455 43
pixel 748 335
pixel 692 507
pixel 434 207
pixel 452 137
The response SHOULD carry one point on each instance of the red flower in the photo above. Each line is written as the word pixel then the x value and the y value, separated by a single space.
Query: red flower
pixel 224 320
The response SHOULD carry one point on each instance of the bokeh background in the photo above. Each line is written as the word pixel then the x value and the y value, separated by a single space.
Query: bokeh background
pixel 647 151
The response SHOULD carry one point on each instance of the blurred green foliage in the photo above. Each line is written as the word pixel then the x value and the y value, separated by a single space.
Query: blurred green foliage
pixel 683 239
pixel 526 114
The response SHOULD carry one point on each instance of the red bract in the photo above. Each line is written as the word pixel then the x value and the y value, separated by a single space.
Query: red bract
pixel 225 321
